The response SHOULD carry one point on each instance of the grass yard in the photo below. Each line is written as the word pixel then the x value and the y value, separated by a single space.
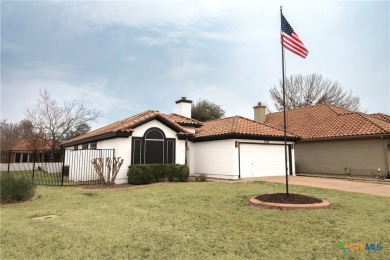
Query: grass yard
pixel 45 178
pixel 191 221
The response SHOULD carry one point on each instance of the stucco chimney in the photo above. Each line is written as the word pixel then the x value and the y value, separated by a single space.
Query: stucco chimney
pixel 183 107
pixel 259 112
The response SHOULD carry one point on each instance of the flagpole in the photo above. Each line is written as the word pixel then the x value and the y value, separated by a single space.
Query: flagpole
pixel 284 105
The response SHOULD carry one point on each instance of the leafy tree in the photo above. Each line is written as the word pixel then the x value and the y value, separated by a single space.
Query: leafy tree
pixel 78 130
pixel 205 110
pixel 313 89
pixel 55 120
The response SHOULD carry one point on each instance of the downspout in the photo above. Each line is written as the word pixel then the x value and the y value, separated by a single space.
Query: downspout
pixel 386 155
pixel 186 153
pixel 237 145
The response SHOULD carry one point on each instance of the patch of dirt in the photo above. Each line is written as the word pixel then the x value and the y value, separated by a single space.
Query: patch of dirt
pixel 45 217
pixel 291 198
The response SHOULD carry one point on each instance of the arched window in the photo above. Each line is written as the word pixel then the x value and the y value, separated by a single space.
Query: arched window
pixel 154 134
pixel 153 147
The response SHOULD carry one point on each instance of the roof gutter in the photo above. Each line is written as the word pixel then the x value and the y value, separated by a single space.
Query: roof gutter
pixel 339 138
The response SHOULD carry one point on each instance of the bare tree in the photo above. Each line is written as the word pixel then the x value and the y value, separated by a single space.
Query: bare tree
pixel 8 131
pixel 55 120
pixel 313 89
pixel 113 166
pixel 14 131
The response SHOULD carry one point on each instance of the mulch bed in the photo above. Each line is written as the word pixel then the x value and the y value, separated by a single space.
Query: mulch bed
pixel 292 198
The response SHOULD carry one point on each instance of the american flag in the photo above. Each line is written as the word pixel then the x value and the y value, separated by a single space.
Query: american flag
pixel 291 41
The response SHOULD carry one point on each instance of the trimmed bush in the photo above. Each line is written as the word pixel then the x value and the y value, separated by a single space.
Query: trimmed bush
pixel 16 189
pixel 139 175
pixel 149 173
pixel 201 177
pixel 179 173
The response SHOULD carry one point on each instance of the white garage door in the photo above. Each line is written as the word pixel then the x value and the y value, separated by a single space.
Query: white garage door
pixel 257 160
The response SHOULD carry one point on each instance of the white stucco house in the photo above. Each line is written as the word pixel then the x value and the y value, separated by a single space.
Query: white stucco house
pixel 229 148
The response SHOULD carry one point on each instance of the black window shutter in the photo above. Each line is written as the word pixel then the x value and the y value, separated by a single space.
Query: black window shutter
pixel 137 151
pixel 170 156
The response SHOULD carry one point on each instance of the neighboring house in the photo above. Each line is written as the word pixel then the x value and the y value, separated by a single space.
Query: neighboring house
pixel 23 150
pixel 338 142
pixel 28 154
pixel 232 148
pixel 382 117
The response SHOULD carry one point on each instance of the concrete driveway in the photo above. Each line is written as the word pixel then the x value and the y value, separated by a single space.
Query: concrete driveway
pixel 374 188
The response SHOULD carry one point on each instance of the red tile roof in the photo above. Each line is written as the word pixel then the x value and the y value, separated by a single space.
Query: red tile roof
pixel 184 121
pixel 127 125
pixel 381 116
pixel 237 126
pixel 327 121
pixel 26 145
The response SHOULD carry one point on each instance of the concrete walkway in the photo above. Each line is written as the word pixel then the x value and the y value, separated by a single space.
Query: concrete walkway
pixel 374 188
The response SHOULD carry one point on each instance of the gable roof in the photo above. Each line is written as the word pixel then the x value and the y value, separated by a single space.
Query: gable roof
pixel 125 127
pixel 327 121
pixel 238 127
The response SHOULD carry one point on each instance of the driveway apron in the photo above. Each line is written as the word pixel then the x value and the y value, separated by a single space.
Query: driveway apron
pixel 374 188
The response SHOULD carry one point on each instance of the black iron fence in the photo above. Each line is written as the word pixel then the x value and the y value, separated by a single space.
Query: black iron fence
pixel 56 168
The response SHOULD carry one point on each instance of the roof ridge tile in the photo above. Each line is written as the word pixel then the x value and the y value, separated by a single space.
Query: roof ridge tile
pixel 234 124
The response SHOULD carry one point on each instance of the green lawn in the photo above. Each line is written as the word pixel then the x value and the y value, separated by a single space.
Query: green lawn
pixel 191 221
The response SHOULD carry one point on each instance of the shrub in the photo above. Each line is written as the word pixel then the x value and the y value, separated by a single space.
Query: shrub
pixel 170 173
pixel 16 189
pixel 179 173
pixel 150 173
pixel 159 171
pixel 201 177
pixel 140 174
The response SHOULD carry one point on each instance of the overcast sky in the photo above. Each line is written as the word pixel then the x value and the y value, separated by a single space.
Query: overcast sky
pixel 129 56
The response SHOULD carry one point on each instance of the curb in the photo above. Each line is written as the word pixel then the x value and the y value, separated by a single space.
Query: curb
pixel 324 204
